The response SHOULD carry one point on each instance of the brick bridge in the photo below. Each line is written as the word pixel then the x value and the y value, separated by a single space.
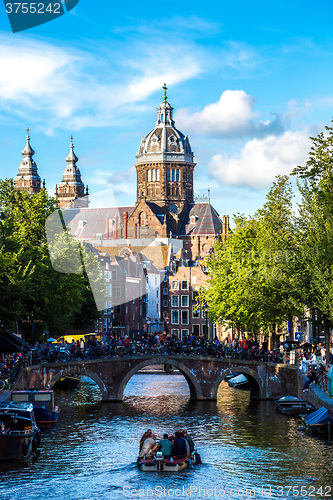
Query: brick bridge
pixel 203 375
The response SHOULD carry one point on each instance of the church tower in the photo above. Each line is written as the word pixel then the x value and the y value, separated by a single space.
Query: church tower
pixel 165 165
pixel 71 192
pixel 27 178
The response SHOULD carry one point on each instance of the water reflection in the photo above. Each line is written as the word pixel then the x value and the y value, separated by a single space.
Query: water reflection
pixel 92 450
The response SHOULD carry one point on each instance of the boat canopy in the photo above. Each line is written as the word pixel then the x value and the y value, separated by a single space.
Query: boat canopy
pixel 318 417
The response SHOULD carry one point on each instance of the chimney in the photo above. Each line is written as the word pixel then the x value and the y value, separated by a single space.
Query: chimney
pixel 115 227
pixel 125 224
pixel 107 229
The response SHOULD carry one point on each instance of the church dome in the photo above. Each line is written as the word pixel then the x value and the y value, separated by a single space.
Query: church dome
pixel 165 142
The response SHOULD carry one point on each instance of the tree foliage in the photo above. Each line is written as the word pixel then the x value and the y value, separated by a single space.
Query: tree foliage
pixel 252 285
pixel 31 290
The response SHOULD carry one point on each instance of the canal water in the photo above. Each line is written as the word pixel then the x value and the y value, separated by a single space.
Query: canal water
pixel 247 448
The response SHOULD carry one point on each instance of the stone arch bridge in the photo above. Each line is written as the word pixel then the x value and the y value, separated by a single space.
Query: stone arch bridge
pixel 203 375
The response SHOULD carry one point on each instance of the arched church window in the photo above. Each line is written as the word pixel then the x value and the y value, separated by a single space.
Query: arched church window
pixel 149 175
pixel 173 174
pixel 177 174
pixel 153 177
pixel 157 175
pixel 169 174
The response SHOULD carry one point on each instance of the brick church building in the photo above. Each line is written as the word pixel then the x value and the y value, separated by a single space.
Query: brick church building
pixel 167 223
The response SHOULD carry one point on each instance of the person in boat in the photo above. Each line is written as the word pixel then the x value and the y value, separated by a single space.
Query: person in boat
pixel 148 447
pixel 165 446
pixel 145 435
pixel 189 440
pixel 180 447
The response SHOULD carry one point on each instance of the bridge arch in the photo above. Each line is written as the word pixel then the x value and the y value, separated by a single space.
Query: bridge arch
pixel 256 387
pixel 80 370
pixel 193 383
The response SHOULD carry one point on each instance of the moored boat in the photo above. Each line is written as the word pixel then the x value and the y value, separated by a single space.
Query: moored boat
pixel 289 405
pixel 19 433
pixel 46 412
pixel 67 382
pixel 239 382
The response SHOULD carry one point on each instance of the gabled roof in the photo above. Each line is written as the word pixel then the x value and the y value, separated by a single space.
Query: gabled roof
pixel 93 220
pixel 206 221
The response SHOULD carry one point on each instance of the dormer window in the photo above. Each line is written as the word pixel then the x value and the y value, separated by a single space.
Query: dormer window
pixel 193 219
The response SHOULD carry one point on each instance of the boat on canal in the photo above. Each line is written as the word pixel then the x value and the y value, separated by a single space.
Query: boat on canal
pixel 19 433
pixel 239 381
pixel 172 464
pixel 45 409
pixel 67 382
pixel 289 405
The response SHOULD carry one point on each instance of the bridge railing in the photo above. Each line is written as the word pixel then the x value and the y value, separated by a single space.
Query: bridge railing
pixel 60 353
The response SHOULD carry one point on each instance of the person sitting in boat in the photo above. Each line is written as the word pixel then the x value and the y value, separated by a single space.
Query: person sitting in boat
pixel 189 440
pixel 180 447
pixel 148 447
pixel 145 435
pixel 165 446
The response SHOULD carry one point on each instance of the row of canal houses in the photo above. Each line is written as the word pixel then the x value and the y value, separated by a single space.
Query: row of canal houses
pixel 151 284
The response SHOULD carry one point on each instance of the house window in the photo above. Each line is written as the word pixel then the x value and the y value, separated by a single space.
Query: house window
pixel 116 292
pixel 184 333
pixel 114 275
pixel 157 175
pixel 184 285
pixel 177 175
pixel 184 317
pixel 174 301
pixel 173 174
pixel 153 175
pixel 184 300
pixel 109 290
pixel 165 291
pixel 175 285
pixel 195 312
pixel 117 309
pixel 175 316
pixel 175 332
pixel 169 175
pixel 165 314
pixel 165 278
pixel 165 303
pixel 149 175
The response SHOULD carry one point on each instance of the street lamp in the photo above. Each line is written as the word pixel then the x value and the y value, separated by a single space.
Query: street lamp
pixel 205 310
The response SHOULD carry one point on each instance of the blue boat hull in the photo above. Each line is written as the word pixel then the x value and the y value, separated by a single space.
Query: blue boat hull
pixel 45 416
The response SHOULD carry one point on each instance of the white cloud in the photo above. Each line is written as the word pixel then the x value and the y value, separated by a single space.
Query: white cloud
pixel 63 87
pixel 260 160
pixel 232 115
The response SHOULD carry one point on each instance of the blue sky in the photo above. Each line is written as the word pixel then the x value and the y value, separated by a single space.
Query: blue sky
pixel 249 82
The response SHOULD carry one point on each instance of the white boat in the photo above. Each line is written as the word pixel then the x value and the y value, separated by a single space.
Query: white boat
pixel 171 464
pixel 239 382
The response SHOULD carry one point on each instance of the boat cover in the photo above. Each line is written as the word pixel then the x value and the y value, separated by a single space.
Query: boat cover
pixel 320 416
pixel 290 399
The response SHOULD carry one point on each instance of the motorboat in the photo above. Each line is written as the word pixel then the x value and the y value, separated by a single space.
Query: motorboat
pixel 319 421
pixel 289 405
pixel 239 382
pixel 19 433
pixel 171 464
pixel 45 409
pixel 67 382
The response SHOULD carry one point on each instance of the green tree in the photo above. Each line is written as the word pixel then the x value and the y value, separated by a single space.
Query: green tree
pixel 30 288
pixel 315 181
pixel 252 284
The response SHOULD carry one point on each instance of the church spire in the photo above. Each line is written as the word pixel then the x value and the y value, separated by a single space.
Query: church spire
pixel 71 189
pixel 27 178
